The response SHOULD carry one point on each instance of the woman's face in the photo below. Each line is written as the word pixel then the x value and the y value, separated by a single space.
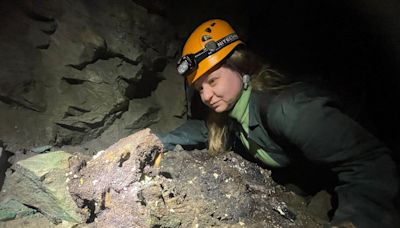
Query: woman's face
pixel 220 89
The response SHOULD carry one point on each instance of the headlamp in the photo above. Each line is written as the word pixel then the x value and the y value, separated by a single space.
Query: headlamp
pixel 188 63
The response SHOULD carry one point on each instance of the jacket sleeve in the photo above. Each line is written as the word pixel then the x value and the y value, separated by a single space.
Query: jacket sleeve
pixel 192 133
pixel 366 172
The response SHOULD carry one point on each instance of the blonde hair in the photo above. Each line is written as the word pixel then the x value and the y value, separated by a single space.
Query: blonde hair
pixel 218 133
pixel 262 78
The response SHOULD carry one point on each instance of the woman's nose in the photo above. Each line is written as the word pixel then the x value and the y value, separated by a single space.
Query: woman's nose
pixel 207 94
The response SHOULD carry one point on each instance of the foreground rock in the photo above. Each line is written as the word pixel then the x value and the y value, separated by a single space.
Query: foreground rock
pixel 121 187
pixel 196 190
pixel 40 182
pixel 107 187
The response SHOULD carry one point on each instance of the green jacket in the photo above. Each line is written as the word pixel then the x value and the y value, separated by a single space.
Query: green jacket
pixel 304 123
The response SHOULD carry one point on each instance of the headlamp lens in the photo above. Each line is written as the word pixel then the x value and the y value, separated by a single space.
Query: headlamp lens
pixel 186 64
pixel 183 67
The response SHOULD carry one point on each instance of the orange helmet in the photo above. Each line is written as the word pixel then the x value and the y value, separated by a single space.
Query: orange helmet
pixel 207 46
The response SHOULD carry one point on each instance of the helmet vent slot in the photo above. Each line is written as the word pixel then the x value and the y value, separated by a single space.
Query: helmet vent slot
pixel 205 38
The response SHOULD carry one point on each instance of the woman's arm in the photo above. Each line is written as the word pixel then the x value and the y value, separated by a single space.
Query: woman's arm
pixel 192 133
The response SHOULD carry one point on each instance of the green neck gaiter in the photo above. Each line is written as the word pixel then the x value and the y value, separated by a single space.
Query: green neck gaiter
pixel 240 112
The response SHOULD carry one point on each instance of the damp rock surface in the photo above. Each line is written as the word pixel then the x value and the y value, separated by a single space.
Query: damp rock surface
pixel 106 187
pixel 196 190
pixel 120 187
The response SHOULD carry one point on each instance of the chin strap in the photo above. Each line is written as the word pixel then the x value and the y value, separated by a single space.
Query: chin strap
pixel 246 81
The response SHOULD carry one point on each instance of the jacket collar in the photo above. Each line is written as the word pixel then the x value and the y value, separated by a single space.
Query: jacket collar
pixel 254 110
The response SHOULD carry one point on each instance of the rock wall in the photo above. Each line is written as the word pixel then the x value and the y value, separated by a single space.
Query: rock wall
pixel 73 69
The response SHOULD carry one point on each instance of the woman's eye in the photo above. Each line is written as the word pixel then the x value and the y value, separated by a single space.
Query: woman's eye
pixel 212 81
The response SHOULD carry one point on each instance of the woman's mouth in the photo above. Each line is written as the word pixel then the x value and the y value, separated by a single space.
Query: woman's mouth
pixel 216 105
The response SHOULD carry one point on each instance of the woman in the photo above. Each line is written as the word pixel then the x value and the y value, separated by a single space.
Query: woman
pixel 281 124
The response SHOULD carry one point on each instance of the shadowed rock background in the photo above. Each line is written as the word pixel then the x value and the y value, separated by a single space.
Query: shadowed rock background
pixel 77 76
